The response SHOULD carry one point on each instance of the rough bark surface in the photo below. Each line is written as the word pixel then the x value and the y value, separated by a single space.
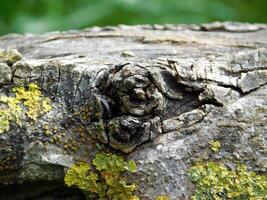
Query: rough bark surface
pixel 156 94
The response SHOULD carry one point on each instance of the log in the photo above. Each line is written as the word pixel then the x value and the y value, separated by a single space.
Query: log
pixel 157 94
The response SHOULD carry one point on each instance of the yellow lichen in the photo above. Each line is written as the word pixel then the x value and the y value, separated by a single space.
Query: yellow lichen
pixel 33 101
pixel 105 179
pixel 162 197
pixel 47 105
pixel 215 145
pixel 9 56
pixel 4 121
pixel 11 112
pixel 216 182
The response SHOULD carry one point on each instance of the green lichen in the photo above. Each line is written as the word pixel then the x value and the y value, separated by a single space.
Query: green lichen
pixel 105 178
pixel 33 101
pixel 216 182
pixel 215 146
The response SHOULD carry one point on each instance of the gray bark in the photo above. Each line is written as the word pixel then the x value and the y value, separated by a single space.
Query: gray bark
pixel 156 94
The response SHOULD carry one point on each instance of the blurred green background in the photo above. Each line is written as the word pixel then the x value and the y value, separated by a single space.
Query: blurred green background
pixel 37 16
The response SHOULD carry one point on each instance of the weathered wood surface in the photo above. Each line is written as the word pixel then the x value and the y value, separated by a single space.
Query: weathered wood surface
pixel 157 93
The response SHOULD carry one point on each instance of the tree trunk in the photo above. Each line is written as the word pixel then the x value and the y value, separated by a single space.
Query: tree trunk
pixel 156 94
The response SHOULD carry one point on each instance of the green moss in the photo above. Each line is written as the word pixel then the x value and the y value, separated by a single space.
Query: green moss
pixel 216 182
pixel 32 100
pixel 215 145
pixel 105 179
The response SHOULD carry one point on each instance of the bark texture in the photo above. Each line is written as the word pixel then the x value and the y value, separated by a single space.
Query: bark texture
pixel 156 94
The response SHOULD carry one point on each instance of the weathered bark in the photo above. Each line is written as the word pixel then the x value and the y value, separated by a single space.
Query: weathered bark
pixel 157 94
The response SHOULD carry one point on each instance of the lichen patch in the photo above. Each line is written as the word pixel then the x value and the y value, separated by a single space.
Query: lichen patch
pixel 12 107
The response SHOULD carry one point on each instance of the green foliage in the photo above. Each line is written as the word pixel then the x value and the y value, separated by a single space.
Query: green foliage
pixel 216 182
pixel 47 15
pixel 215 145
pixel 106 179
pixel 32 99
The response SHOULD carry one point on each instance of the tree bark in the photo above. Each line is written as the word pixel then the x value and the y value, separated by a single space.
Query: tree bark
pixel 157 94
